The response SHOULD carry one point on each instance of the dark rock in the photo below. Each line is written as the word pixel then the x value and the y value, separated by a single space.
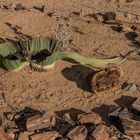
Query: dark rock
pixel 20 7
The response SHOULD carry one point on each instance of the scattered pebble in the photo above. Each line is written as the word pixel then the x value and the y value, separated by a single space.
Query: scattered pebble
pixel 104 17
pixel 16 7
pixel 19 7
pixel 129 87
pixel 76 13
pixel 65 106
pixel 40 8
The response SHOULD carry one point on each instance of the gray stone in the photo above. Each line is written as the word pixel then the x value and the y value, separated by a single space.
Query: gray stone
pixel 129 87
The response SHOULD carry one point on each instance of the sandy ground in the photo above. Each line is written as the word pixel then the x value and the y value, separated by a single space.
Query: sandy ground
pixel 65 86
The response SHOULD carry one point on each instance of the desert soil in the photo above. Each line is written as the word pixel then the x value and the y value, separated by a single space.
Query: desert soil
pixel 65 87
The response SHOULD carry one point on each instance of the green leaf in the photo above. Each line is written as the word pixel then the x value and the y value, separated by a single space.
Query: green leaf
pixel 43 43
pixel 6 49
pixel 89 62
pixel 11 64
pixel 51 59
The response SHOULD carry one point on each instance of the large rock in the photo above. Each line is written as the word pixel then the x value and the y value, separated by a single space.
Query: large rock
pixel 101 133
pixel 78 133
pixel 39 122
pixel 89 118
pixel 46 136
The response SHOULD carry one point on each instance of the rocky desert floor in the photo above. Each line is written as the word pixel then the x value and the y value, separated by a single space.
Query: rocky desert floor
pixel 65 88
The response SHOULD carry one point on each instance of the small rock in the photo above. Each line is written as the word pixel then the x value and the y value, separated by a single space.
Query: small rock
pixel 20 7
pixel 133 88
pixel 1 134
pixel 53 121
pixel 12 6
pixel 85 11
pixel 136 104
pixel 43 9
pixel 9 116
pixel 50 14
pixel 64 129
pixel 68 119
pixel 133 28
pixel 78 133
pixel 129 87
pixel 76 13
pixel 113 138
pixel 6 7
pixel 65 106
pixel 40 8
pixel 104 17
pixel 24 135
pixel 110 15
pixel 137 137
pixel 137 40
pixel 129 0
pixel 10 135
pixel 89 118
pixel 130 126
pixel 1 7
pixel 100 18
pixel 124 113
pixel 101 133
pixel 118 28
pixel 115 112
pixel 39 122
pixel 46 136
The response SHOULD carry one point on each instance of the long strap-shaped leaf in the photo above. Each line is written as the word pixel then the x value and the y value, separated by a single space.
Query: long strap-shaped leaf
pixel 11 64
pixel 99 63
pixel 7 48
pixel 92 62
pixel 43 43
